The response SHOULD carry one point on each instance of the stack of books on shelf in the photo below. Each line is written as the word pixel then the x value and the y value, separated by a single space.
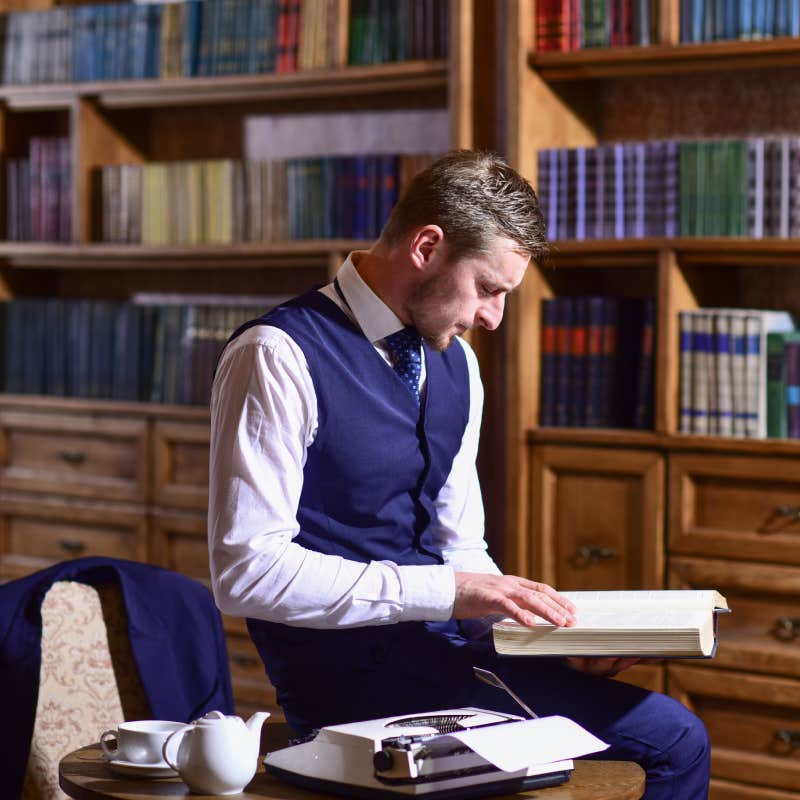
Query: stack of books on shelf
pixel 565 25
pixel 596 366
pixel 129 41
pixel 729 187
pixel 162 349
pixel 382 32
pixel 224 200
pixel 38 192
pixel 738 372
pixel 710 20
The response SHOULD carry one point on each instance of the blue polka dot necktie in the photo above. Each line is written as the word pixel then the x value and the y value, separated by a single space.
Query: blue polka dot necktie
pixel 404 345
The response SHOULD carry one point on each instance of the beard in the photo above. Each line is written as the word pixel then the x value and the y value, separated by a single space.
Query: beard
pixel 433 311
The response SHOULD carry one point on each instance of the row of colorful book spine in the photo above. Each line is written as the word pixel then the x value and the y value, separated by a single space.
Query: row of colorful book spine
pixel 712 20
pixel 566 25
pixel 724 371
pixel 120 41
pixel 221 201
pixel 110 350
pixel 39 192
pixel 729 187
pixel 597 356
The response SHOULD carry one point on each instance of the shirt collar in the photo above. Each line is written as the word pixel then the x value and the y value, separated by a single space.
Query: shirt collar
pixel 373 316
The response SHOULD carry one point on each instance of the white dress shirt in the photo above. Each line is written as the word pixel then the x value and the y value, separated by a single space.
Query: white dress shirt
pixel 263 420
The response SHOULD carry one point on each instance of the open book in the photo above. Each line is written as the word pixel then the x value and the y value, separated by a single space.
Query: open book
pixel 662 624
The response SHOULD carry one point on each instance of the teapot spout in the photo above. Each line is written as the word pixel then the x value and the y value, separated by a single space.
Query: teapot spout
pixel 255 722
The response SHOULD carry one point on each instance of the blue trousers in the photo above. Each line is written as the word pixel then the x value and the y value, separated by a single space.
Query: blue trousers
pixel 342 676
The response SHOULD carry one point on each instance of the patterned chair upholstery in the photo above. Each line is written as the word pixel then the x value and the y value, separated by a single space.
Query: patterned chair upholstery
pixel 88 681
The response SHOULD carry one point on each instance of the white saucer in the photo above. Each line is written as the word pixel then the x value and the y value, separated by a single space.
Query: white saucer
pixel 129 768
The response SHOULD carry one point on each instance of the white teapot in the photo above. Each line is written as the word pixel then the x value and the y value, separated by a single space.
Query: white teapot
pixel 216 754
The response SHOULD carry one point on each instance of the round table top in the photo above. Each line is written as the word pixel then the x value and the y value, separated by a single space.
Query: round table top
pixel 84 775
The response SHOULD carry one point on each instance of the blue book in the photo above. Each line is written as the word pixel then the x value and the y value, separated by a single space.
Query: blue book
pixel 361 189
pixel 563 360
pixel 593 411
pixel 746 19
pixel 547 362
pixel 577 388
pixel 388 189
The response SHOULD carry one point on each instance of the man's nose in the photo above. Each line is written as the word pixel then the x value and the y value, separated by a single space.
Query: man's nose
pixel 490 314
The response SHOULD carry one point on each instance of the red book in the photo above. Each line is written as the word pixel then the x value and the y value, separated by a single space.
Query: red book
pixel 283 54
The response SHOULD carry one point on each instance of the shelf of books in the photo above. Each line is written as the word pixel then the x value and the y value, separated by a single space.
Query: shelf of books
pixel 224 146
pixel 653 360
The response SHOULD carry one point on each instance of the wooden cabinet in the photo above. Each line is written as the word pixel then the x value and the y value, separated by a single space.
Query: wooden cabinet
pixel 735 506
pixel 597 517
pixel 752 721
pixel 730 507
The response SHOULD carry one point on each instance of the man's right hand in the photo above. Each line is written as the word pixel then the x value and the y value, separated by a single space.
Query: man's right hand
pixel 480 595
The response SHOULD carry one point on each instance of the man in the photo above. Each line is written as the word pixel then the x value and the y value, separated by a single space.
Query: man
pixel 345 515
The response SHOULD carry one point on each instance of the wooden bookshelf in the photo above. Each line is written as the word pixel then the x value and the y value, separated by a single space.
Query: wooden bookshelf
pixel 614 508
pixel 126 479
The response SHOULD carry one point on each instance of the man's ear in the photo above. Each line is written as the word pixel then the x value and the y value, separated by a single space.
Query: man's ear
pixel 425 246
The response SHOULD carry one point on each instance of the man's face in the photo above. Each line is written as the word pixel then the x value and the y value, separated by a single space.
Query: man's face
pixel 467 293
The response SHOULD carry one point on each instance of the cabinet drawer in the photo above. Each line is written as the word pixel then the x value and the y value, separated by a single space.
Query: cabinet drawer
pixel 746 716
pixel 745 507
pixel 36 533
pixel 763 632
pixel 84 455
pixel 729 790
pixel 180 543
pixel 597 518
pixel 180 477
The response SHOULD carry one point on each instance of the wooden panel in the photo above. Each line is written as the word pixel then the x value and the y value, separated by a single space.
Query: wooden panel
pixel 180 543
pixel 597 518
pixel 180 477
pixel 763 632
pixel 251 687
pixel 73 454
pixel 745 715
pixel 36 533
pixel 730 790
pixel 735 506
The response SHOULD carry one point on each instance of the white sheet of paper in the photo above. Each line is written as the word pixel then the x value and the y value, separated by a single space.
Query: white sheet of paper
pixel 517 745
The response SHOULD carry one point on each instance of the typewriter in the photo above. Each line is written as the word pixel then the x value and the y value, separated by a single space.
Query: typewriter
pixel 457 753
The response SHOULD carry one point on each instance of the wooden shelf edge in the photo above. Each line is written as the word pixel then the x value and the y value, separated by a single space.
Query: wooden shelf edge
pixel 399 78
pixel 289 254
pixel 639 252
pixel 635 61
pixel 618 437
pixel 95 406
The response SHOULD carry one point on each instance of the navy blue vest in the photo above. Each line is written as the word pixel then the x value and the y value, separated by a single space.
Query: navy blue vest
pixel 377 464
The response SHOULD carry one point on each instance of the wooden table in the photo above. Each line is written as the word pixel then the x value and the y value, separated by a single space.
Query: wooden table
pixel 84 775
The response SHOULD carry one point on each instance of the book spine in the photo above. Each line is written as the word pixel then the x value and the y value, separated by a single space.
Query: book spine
pixel 777 395
pixel 722 350
pixel 563 365
pixel 685 326
pixel 547 363
pixel 793 389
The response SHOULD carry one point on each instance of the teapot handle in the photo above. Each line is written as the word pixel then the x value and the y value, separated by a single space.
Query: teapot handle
pixel 166 747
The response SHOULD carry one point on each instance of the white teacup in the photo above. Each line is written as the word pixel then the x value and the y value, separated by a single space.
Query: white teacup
pixel 139 742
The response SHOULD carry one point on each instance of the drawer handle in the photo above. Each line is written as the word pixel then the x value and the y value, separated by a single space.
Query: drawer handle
pixel 589 555
pixel 72 546
pixel 73 456
pixel 786 628
pixel 245 661
pixel 789 739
